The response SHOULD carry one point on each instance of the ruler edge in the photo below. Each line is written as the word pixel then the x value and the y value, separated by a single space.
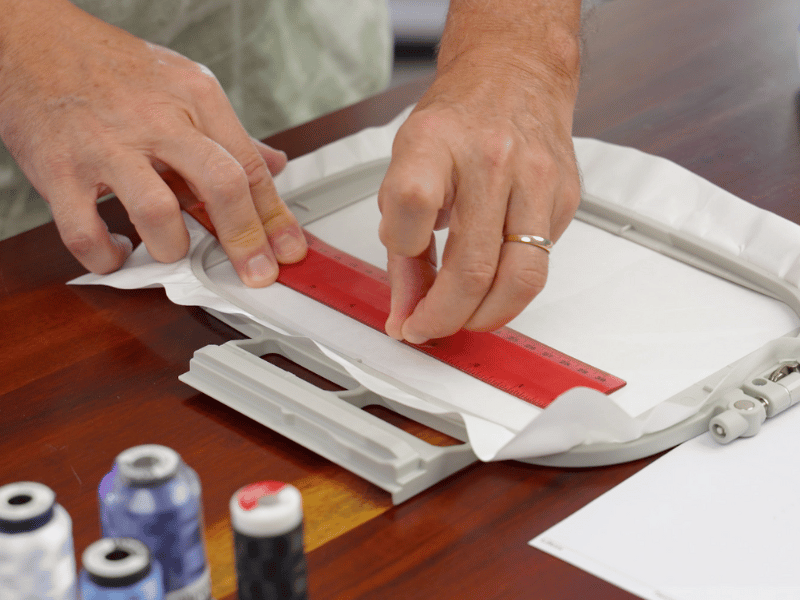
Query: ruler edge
pixel 596 374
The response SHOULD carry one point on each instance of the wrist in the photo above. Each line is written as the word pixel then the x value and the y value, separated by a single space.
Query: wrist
pixel 27 29
pixel 531 41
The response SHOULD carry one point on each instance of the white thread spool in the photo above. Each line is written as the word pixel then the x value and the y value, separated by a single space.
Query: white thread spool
pixel 37 559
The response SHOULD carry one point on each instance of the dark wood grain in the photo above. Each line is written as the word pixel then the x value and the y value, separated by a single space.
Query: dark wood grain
pixel 712 85
pixel 89 371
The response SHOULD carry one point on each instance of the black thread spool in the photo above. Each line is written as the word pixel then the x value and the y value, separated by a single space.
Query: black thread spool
pixel 267 519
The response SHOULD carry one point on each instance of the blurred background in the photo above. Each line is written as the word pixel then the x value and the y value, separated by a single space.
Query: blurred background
pixel 417 28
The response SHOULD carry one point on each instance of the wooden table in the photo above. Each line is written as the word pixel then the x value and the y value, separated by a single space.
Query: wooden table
pixel 90 371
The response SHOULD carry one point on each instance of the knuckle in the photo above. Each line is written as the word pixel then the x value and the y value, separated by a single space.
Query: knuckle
pixel 81 243
pixel 164 125
pixel 277 217
pixel 246 236
pixel 527 281
pixel 415 196
pixel 256 171
pixel 225 177
pixel 203 83
pixel 423 123
pixel 152 210
pixel 59 167
pixel 543 166
pixel 477 278
pixel 499 147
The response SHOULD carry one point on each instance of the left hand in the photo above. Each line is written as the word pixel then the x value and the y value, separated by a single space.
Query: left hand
pixel 487 151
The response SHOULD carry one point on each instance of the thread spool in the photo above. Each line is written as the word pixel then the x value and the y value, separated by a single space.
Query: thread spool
pixel 37 559
pixel 120 569
pixel 152 495
pixel 267 519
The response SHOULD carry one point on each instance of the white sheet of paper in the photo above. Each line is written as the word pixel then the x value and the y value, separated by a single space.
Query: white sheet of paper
pixel 703 522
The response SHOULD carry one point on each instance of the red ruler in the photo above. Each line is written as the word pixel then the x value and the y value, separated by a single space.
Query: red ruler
pixel 505 359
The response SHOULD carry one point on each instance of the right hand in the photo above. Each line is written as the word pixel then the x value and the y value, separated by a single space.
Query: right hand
pixel 87 109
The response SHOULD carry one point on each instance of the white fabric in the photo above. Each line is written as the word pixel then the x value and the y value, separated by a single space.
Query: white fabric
pixel 649 319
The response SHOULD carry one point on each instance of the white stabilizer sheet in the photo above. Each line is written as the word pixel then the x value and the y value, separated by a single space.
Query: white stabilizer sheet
pixel 657 323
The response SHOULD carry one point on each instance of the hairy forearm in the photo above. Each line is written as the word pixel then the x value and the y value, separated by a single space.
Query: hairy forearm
pixel 538 39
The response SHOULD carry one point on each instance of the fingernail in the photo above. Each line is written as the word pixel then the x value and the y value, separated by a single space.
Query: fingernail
pixel 288 246
pixel 261 270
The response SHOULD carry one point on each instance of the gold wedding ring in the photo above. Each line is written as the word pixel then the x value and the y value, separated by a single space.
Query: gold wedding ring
pixel 533 240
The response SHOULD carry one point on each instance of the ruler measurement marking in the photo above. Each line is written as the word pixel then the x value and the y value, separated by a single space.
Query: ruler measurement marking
pixel 505 359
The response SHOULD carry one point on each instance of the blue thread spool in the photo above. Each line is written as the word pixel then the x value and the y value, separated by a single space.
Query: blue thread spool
pixel 120 569
pixel 153 496
pixel 267 519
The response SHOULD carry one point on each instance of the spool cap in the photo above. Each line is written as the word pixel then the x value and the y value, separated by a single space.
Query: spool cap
pixel 266 509
pixel 117 562
pixel 148 464
pixel 25 506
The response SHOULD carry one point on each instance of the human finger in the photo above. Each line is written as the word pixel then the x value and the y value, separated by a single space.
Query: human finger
pixel 83 231
pixel 276 159
pixel 218 180
pixel 521 272
pixel 416 190
pixel 151 206
pixel 411 278
pixel 470 258
pixel 257 161
pixel 542 202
